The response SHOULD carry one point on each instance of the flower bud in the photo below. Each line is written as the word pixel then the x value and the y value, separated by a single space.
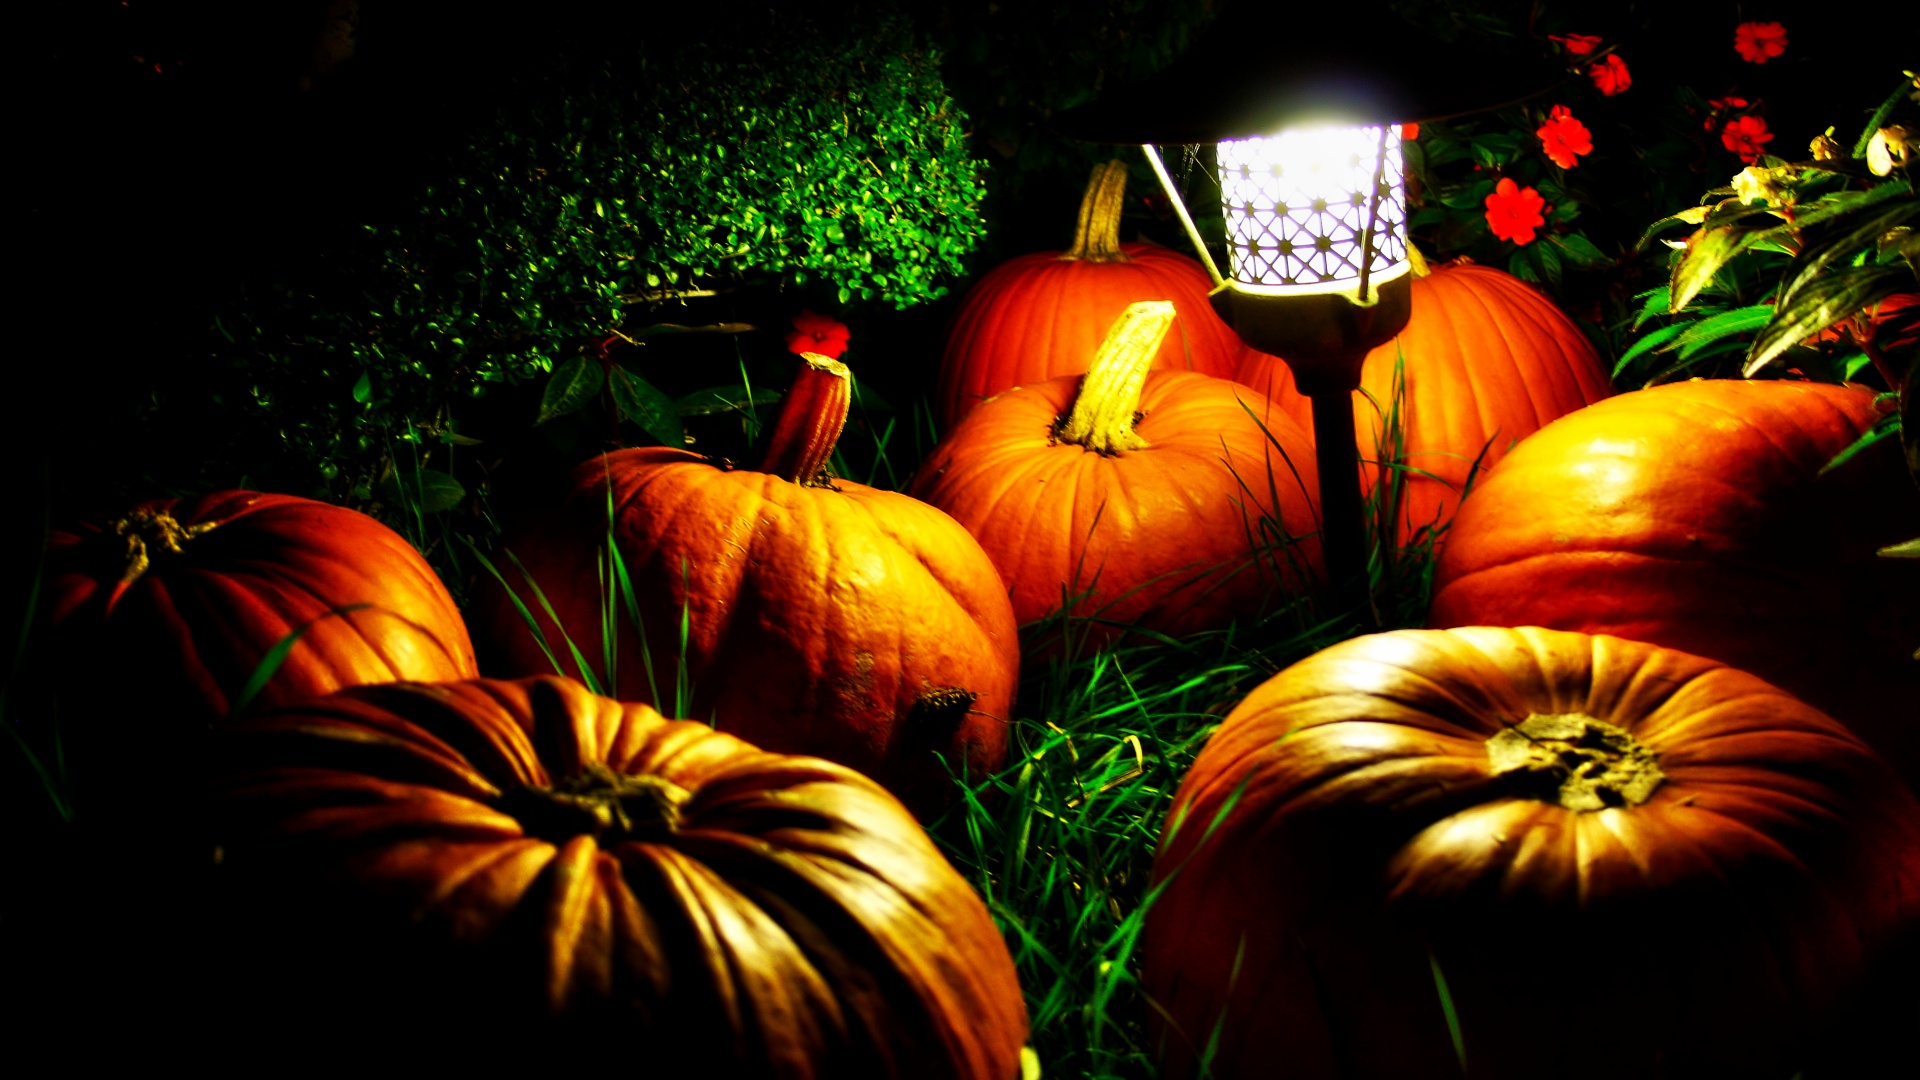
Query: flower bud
pixel 1754 182
pixel 1889 147
pixel 1825 148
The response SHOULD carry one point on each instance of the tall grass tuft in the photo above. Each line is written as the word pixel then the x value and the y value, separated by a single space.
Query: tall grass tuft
pixel 1061 841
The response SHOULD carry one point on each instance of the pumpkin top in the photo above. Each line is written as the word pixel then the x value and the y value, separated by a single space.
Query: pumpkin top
pixel 148 531
pixel 1097 236
pixel 1108 400
pixel 1582 763
pixel 812 416
pixel 591 854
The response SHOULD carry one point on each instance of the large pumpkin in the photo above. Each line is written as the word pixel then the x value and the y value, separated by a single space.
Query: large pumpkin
pixel 1603 858
pixel 1182 521
pixel 1043 315
pixel 476 869
pixel 168 611
pixel 1696 515
pixel 811 615
pixel 1487 360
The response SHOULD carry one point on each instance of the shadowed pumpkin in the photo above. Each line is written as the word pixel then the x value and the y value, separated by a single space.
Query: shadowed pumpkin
pixel 526 868
pixel 812 615
pixel 1619 860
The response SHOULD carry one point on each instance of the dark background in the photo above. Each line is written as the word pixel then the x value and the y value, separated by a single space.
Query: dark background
pixel 173 149
pixel 168 151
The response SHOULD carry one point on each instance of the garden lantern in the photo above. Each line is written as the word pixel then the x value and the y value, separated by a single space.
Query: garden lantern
pixel 1302 111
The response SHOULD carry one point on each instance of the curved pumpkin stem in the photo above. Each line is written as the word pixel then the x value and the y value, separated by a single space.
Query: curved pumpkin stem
pixel 811 419
pixel 1097 238
pixel 1109 397
pixel 1420 267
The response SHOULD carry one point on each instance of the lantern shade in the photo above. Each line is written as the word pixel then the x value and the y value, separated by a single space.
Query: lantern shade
pixel 1310 206
pixel 1264 66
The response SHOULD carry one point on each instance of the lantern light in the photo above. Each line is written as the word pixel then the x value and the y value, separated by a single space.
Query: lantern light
pixel 1307 151
pixel 1314 209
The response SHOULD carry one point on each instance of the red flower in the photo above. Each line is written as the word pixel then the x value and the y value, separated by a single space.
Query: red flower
pixel 1409 132
pixel 1610 75
pixel 1743 135
pixel 1513 212
pixel 1576 44
pixel 1719 106
pixel 1757 41
pixel 1563 138
pixel 817 334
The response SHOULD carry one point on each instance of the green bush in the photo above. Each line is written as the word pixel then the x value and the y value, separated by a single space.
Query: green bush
pixel 791 154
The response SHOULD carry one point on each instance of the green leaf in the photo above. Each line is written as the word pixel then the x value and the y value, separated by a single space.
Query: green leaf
pixel 865 397
pixel 427 490
pixel 1575 248
pixel 1648 343
pixel 1521 264
pixel 1467 197
pixel 1909 549
pixel 643 403
pixel 1879 119
pixel 1549 261
pixel 719 399
pixel 1844 245
pixel 1821 303
pixel 1654 302
pixel 574 382
pixel 1744 320
pixel 1887 427
pixel 1706 253
pixel 363 388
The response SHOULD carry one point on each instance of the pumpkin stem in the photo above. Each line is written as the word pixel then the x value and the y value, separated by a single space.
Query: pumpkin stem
pixel 942 710
pixel 1109 399
pixel 811 419
pixel 1097 238
pixel 599 802
pixel 1420 266
pixel 1575 760
pixel 147 532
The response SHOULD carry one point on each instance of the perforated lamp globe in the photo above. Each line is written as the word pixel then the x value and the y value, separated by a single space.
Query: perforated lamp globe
pixel 1314 209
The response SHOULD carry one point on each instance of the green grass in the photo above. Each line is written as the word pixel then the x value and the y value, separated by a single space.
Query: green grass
pixel 1060 842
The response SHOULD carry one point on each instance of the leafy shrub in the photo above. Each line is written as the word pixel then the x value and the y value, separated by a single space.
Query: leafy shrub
pixel 791 153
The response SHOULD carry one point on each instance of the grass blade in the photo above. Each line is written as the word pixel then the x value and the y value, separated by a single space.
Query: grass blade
pixel 270 664
pixel 1446 1006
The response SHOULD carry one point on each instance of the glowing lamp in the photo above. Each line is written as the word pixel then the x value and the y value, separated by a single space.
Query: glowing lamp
pixel 1306 149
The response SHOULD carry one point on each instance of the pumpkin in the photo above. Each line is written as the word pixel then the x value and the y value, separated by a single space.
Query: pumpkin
pixel 1486 360
pixel 1159 499
pixel 1042 315
pixel 1617 859
pixel 1696 515
pixel 168 610
pixel 555 871
pixel 810 615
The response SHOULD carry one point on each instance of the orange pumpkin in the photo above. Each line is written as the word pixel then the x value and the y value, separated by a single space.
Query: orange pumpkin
pixel 1696 515
pixel 1621 860
pixel 480 869
pixel 179 600
pixel 813 615
pixel 1487 360
pixel 1158 499
pixel 1043 315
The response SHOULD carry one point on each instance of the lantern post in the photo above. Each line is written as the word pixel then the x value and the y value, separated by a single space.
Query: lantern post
pixel 1306 142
